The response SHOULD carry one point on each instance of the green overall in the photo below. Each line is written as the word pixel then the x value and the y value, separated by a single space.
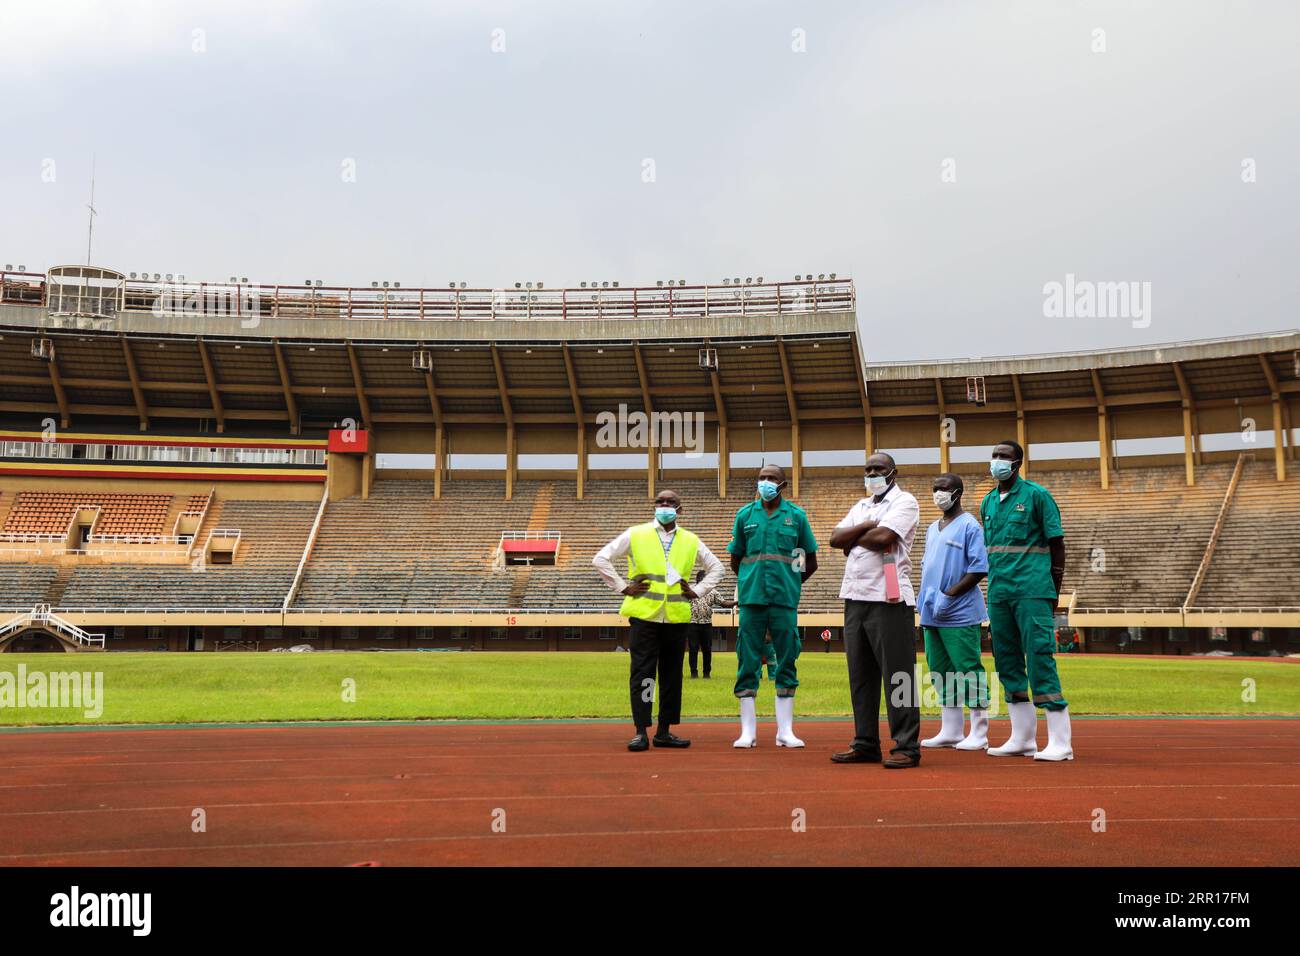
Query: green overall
pixel 768 587
pixel 1021 595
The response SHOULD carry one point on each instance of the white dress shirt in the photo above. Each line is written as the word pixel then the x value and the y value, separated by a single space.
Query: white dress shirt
pixel 617 550
pixel 864 569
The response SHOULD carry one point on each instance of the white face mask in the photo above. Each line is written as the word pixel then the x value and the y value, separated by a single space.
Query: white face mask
pixel 943 500
pixel 876 484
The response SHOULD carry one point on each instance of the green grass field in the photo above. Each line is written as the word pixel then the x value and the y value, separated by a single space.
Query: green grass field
pixel 189 688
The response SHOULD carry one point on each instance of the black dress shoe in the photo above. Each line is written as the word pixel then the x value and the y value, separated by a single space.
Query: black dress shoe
pixel 671 740
pixel 694 675
pixel 901 761
pixel 639 742
pixel 853 755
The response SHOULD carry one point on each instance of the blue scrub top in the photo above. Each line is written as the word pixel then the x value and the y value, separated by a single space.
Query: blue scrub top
pixel 951 553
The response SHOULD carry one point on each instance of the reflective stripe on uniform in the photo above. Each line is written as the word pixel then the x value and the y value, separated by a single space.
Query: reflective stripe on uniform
pixel 1017 549
pixel 1047 698
pixel 788 559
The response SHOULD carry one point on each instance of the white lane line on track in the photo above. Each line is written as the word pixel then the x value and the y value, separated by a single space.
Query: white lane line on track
pixel 1008 765
pixel 1079 822
pixel 598 754
pixel 661 795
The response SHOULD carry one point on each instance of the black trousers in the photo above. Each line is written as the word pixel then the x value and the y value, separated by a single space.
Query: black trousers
pixel 701 638
pixel 656 645
pixel 879 643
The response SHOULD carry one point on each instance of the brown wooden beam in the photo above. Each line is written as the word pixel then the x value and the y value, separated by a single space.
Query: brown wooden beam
pixel 724 445
pixel 360 385
pixel 1103 432
pixel 796 449
pixel 504 393
pixel 1279 457
pixel 60 396
pixel 214 390
pixel 863 394
pixel 1189 436
pixel 943 430
pixel 571 377
pixel 286 386
pixel 652 447
pixel 1022 427
pixel 142 410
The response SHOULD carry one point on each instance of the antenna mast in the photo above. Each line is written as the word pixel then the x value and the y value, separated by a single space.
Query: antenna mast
pixel 90 226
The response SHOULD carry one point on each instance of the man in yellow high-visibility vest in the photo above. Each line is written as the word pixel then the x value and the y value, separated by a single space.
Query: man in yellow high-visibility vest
pixel 661 557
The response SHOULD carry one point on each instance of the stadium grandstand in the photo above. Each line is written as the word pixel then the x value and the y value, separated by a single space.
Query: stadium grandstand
pixel 213 466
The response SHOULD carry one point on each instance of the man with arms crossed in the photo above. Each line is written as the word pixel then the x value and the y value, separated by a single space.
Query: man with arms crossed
pixel 879 634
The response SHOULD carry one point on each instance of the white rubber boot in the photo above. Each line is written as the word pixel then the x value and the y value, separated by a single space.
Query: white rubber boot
pixel 1024 732
pixel 785 723
pixel 978 738
pixel 950 732
pixel 748 724
pixel 1058 736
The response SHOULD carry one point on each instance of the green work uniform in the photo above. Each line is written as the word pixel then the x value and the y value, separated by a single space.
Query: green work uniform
pixel 770 580
pixel 1021 595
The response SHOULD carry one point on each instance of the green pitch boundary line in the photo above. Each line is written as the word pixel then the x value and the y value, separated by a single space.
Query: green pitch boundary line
pixel 540 721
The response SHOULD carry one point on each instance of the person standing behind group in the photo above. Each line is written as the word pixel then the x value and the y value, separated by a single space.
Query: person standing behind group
pixel 879 634
pixel 701 633
pixel 1026 545
pixel 952 610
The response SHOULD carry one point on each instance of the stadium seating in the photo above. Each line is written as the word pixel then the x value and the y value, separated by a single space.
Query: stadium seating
pixel 24 585
pixel 49 512
pixel 1256 560
pixel 401 548
pixel 272 537
pixel 1136 545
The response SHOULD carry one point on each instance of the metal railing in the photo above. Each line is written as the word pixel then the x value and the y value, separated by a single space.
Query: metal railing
pixel 245 302
pixel 22 288
pixel 43 616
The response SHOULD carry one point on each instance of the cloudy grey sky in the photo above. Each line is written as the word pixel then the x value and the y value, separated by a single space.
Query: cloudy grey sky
pixel 785 137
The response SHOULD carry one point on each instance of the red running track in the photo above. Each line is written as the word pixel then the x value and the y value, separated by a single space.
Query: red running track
pixel 1174 792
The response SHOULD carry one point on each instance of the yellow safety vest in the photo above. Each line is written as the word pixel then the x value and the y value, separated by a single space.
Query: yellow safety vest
pixel 645 562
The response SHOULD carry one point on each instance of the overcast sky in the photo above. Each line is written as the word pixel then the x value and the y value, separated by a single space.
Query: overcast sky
pixel 954 158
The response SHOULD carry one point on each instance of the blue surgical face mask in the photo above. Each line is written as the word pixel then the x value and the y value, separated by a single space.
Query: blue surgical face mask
pixel 665 515
pixel 1001 470
pixel 767 489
